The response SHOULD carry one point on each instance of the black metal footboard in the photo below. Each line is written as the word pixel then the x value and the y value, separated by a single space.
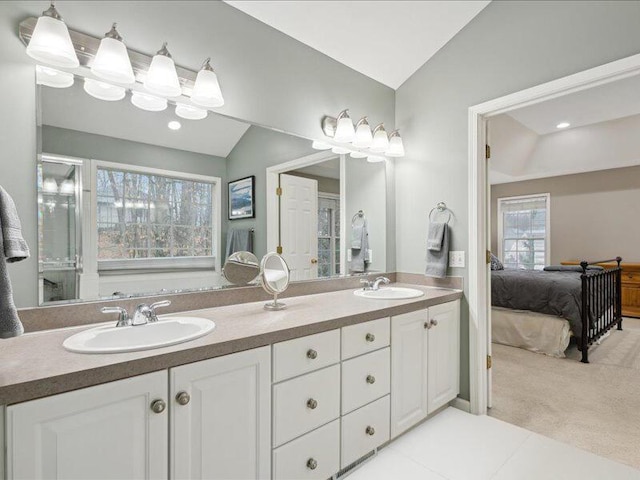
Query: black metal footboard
pixel 601 303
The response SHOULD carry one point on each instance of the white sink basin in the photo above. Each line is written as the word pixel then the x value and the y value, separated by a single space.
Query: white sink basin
pixel 165 332
pixel 390 293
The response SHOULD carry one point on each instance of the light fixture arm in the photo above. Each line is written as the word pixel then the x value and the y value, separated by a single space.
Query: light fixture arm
pixel 206 65
pixel 362 121
pixel 164 51
pixel 52 12
pixel 379 127
pixel 395 133
pixel 113 33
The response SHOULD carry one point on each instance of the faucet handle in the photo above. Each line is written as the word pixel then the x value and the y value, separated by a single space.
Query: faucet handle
pixel 123 315
pixel 367 284
pixel 153 306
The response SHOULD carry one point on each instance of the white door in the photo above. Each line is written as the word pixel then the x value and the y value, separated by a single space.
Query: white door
pixel 107 431
pixel 408 370
pixel 299 225
pixel 444 354
pixel 221 417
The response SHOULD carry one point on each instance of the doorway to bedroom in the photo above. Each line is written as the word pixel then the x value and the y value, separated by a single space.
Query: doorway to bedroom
pixel 562 183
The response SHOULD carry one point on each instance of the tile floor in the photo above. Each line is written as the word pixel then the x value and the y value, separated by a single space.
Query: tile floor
pixel 455 445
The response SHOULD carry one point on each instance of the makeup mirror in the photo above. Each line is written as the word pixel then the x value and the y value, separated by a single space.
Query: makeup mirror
pixel 275 278
pixel 241 268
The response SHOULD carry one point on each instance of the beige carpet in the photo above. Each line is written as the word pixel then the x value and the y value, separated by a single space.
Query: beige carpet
pixel 593 406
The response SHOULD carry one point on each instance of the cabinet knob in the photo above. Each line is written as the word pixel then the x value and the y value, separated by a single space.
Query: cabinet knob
pixel 434 323
pixel 427 325
pixel 370 431
pixel 312 354
pixel 158 406
pixel 371 379
pixel 312 404
pixel 312 464
pixel 370 337
pixel 183 398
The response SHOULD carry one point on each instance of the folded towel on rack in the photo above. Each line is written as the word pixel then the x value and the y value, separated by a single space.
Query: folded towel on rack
pixel 13 248
pixel 435 236
pixel 239 240
pixel 360 254
pixel 438 260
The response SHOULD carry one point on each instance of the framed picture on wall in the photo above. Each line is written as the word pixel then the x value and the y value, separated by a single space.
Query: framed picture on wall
pixel 242 193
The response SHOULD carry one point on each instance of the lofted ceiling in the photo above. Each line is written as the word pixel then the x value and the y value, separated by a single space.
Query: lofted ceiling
pixel 385 40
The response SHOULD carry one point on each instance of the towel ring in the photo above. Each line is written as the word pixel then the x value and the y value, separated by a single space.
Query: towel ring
pixel 441 207
pixel 359 214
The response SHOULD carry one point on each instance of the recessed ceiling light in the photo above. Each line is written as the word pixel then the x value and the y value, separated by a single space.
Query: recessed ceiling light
pixel 174 125
pixel 563 125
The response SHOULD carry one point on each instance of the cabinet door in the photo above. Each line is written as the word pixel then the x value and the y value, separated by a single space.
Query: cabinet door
pixel 221 430
pixel 408 370
pixel 106 431
pixel 444 354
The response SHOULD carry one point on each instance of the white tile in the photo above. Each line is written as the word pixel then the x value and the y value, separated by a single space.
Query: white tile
pixel 389 464
pixel 461 446
pixel 541 458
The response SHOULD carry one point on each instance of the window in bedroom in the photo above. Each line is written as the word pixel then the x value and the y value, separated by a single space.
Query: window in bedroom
pixel 523 231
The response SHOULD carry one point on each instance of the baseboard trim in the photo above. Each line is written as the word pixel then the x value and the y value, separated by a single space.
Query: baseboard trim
pixel 461 404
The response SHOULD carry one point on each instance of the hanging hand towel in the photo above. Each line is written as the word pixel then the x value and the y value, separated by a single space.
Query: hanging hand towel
pixel 360 256
pixel 435 235
pixel 13 248
pixel 437 261
pixel 239 240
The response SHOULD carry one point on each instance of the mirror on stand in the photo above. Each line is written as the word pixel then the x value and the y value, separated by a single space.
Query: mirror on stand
pixel 275 278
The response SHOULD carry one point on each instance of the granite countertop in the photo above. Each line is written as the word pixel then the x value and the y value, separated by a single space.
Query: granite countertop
pixel 36 365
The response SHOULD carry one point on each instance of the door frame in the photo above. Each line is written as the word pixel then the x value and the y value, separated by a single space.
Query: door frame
pixel 272 183
pixel 479 274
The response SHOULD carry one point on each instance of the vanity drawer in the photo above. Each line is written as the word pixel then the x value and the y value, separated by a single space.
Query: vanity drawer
pixel 306 354
pixel 365 379
pixel 316 456
pixel 365 337
pixel 305 403
pixel 365 429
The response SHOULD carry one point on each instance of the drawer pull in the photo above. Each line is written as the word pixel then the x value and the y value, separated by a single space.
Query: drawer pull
pixel 370 431
pixel 370 337
pixel 312 464
pixel 434 323
pixel 427 325
pixel 312 404
pixel 312 354
pixel 158 406
pixel 371 379
pixel 183 398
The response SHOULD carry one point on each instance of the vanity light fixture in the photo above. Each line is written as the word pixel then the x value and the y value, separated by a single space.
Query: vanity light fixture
pixel 51 43
pixel 563 125
pixel 147 102
pixel 174 125
pixel 375 158
pixel 396 148
pixel 363 136
pixel 358 154
pixel 380 140
pixel 103 91
pixel 190 113
pixel 51 77
pixel 318 145
pixel 112 61
pixel 340 150
pixel 49 185
pixel 344 128
pixel 162 78
pixel 206 90
pixel 67 187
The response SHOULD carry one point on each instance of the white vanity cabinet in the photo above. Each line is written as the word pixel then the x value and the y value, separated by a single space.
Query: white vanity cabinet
pixel 106 431
pixel 425 363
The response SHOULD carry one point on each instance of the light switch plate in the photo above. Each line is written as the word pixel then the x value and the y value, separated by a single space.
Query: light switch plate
pixel 370 252
pixel 456 259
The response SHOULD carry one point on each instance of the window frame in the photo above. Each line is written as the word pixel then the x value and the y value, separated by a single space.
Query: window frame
pixel 547 233
pixel 159 264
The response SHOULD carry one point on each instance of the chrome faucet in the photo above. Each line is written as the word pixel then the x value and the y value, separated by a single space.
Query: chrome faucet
pixel 367 285
pixel 143 314
pixel 378 281
pixel 123 317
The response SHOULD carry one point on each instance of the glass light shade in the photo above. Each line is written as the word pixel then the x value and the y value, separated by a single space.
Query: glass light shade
pixel 344 130
pixel 356 154
pixel 174 125
pixel 51 44
pixel 51 77
pixel 340 150
pixel 380 141
pixel 396 147
pixel 112 62
pixel 150 103
pixel 162 78
pixel 49 185
pixel 67 187
pixel 363 135
pixel 318 145
pixel 103 91
pixel 206 90
pixel 190 113
pixel 375 159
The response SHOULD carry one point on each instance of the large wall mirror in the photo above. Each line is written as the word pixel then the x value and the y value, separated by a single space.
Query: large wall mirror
pixel 133 202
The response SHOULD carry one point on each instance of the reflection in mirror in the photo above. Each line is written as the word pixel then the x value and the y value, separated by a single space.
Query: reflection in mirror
pixel 241 268
pixel 275 278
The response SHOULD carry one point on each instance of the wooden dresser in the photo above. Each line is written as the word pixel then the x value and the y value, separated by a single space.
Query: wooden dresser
pixel 630 286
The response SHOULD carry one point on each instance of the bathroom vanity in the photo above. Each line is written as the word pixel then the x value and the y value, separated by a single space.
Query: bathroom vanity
pixel 302 393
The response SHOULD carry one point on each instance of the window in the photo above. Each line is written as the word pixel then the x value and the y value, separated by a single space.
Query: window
pixel 150 219
pixel 328 235
pixel 523 231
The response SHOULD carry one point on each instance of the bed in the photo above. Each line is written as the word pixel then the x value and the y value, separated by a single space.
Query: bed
pixel 542 310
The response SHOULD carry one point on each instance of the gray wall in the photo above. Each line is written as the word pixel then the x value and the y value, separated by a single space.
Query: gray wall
pixel 266 77
pixel 593 215
pixel 508 47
